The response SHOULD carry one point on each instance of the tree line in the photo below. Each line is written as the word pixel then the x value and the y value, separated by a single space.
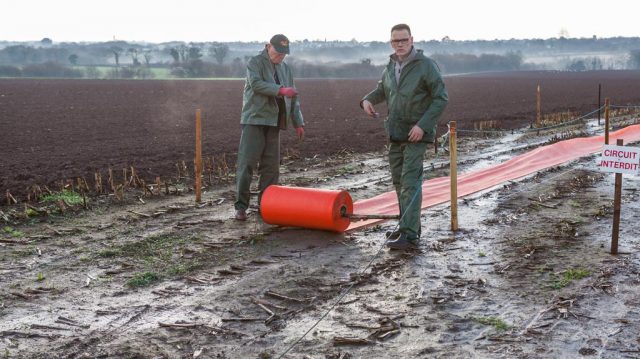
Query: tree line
pixel 310 59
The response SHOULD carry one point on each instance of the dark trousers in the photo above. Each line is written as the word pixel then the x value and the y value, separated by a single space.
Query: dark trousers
pixel 259 150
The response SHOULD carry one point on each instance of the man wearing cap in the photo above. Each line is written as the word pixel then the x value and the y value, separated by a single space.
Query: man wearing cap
pixel 269 103
pixel 416 97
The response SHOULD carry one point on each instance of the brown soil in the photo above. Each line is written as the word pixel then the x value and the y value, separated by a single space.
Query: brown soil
pixel 53 130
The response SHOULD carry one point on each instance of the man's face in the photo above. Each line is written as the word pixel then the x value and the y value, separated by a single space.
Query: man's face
pixel 274 55
pixel 401 42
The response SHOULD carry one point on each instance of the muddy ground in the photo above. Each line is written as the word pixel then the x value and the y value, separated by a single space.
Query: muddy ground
pixel 528 275
pixel 52 130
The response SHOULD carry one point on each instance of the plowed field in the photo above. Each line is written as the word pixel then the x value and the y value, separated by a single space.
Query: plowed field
pixel 52 130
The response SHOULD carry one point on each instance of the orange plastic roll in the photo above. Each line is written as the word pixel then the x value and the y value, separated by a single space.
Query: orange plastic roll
pixel 306 207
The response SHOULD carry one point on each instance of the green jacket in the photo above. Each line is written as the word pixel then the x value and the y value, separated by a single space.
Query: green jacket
pixel 259 106
pixel 419 98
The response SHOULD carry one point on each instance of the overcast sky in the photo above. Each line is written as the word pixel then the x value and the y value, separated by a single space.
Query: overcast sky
pixel 254 20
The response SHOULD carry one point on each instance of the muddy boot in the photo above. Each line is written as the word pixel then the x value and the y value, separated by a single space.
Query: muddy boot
pixel 392 235
pixel 241 215
pixel 403 243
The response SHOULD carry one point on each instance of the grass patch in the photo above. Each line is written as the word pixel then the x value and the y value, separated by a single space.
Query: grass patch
pixel 157 256
pixel 69 197
pixel 143 279
pixel 108 253
pixel 482 254
pixel 13 232
pixel 569 276
pixel 497 323
pixel 184 268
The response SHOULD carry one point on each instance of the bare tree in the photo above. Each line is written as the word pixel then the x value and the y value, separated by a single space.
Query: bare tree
pixel 147 57
pixel 117 51
pixel 73 59
pixel 219 53
pixel 194 53
pixel 133 52
pixel 175 54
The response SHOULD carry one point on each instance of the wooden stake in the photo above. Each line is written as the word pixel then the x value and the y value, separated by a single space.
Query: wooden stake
pixel 134 181
pixel 453 151
pixel 98 182
pixel 616 206
pixel 113 187
pixel 10 199
pixel 538 107
pixel 124 177
pixel 606 121
pixel 198 159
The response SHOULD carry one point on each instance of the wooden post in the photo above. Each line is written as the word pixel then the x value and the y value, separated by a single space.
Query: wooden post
pixel 599 101
pixel 616 209
pixel 606 121
pixel 453 151
pixel 538 107
pixel 198 159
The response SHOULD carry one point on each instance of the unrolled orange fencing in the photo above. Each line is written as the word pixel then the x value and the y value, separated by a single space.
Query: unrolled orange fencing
pixel 437 190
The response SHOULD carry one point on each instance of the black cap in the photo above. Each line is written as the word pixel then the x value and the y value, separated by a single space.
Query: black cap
pixel 280 43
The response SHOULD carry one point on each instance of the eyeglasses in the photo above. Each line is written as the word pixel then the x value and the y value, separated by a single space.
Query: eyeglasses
pixel 400 41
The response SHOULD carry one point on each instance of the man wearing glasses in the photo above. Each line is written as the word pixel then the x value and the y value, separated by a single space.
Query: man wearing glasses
pixel 416 97
pixel 269 103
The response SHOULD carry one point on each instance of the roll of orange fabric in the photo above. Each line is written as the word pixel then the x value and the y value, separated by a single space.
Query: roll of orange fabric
pixel 306 208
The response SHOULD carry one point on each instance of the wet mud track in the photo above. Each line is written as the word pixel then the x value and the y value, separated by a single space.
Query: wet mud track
pixel 527 276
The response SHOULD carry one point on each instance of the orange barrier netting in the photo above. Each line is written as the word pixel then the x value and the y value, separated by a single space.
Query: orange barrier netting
pixel 437 190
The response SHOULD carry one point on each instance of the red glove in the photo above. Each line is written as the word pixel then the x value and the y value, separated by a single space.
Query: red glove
pixel 287 91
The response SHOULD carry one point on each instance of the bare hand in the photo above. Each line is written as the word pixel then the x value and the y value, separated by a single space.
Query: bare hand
pixel 369 109
pixel 300 132
pixel 415 134
pixel 288 92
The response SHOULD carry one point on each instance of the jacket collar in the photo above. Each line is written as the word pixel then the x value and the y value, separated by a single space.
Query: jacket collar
pixel 415 54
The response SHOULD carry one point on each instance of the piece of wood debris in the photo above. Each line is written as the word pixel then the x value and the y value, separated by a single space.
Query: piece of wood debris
pixel 216 244
pixel 265 302
pixel 482 264
pixel 262 261
pixel 71 322
pixel 273 294
pixel 202 281
pixel 140 214
pixel 106 312
pixel 39 290
pixel 242 319
pixel 179 325
pixel 350 301
pixel 351 341
pixel 228 272
pixel 377 310
pixel 40 326
pixel 388 334
pixel 20 295
pixel 263 307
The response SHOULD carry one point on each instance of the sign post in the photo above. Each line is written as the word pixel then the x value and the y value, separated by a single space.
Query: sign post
pixel 619 159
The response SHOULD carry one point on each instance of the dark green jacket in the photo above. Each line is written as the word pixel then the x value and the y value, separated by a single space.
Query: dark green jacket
pixel 259 106
pixel 419 98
